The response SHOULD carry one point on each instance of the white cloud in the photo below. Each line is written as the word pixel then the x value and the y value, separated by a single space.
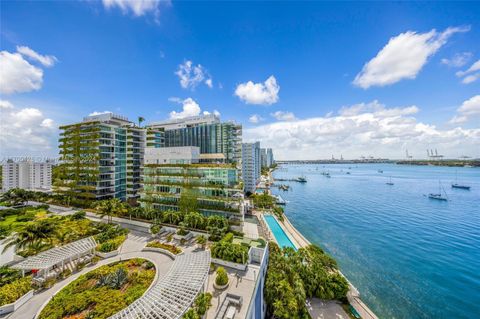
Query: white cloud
pixel 284 116
pixel 45 60
pixel 255 118
pixel 363 129
pixel 189 108
pixel 17 75
pixel 403 57
pixel 98 113
pixel 25 130
pixel 469 110
pixel 458 60
pixel 191 75
pixel 5 104
pixel 137 7
pixel 471 74
pixel 259 93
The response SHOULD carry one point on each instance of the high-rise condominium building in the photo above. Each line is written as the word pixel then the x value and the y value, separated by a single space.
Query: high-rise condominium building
pixel 171 173
pixel 251 166
pixel 27 174
pixel 102 157
pixel 263 157
pixel 218 142
pixel 270 159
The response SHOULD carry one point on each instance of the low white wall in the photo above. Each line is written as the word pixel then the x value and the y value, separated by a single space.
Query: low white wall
pixel 229 264
pixel 107 255
pixel 11 307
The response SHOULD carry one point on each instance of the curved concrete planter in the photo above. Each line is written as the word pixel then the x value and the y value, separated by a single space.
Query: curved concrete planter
pixel 161 251
pixel 221 287
pixel 11 307
pixel 109 254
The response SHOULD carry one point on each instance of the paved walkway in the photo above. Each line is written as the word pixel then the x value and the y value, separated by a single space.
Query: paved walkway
pixel 130 249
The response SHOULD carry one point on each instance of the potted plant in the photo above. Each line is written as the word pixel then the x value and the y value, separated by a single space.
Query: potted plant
pixel 221 280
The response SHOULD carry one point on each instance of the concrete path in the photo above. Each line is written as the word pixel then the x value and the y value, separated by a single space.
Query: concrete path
pixel 325 309
pixel 130 249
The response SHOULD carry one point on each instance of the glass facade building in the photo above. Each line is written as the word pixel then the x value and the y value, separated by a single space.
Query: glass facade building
pixel 215 187
pixel 205 132
pixel 102 157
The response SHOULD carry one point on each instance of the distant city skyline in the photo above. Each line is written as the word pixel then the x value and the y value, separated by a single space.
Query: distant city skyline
pixel 310 81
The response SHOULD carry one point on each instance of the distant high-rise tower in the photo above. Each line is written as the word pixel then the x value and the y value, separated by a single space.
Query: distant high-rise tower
pixel 251 166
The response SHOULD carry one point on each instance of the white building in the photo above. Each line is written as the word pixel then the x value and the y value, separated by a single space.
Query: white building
pixel 172 155
pixel 270 159
pixel 251 166
pixel 27 174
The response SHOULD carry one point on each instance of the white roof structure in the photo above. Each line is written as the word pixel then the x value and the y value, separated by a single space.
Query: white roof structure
pixel 173 295
pixel 54 256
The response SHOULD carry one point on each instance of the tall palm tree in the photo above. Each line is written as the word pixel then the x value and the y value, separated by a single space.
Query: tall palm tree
pixel 111 207
pixel 42 231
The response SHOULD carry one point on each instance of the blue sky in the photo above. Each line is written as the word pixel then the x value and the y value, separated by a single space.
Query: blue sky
pixel 307 97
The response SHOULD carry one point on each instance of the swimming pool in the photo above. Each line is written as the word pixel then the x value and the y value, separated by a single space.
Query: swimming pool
pixel 280 236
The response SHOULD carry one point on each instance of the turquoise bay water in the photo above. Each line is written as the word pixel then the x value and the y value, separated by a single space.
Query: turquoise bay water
pixel 278 232
pixel 410 256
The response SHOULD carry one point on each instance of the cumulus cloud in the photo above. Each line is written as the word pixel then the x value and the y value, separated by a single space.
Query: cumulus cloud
pixel 98 113
pixel 137 7
pixel 362 129
pixel 191 75
pixel 45 60
pixel 17 75
pixel 25 130
pixel 255 118
pixel 403 57
pixel 189 108
pixel 284 116
pixel 259 93
pixel 469 110
pixel 458 60
pixel 471 74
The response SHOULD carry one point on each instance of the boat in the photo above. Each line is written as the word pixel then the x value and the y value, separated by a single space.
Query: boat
pixel 380 171
pixel 439 195
pixel 390 181
pixel 348 173
pixel 301 179
pixel 279 200
pixel 459 186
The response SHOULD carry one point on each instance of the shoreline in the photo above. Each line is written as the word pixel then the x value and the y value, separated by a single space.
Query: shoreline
pixel 353 295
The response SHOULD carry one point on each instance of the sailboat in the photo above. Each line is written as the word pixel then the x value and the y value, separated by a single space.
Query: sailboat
pixel 439 195
pixel 390 181
pixel 460 186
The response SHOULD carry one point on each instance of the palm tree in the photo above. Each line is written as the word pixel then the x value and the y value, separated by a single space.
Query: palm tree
pixel 111 207
pixel 171 216
pixel 202 240
pixel 194 220
pixel 43 231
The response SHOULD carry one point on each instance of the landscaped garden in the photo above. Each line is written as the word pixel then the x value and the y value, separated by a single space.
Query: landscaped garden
pixel 101 292
pixel 226 250
pixel 293 276
pixel 171 248
pixel 12 285
pixel 33 230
